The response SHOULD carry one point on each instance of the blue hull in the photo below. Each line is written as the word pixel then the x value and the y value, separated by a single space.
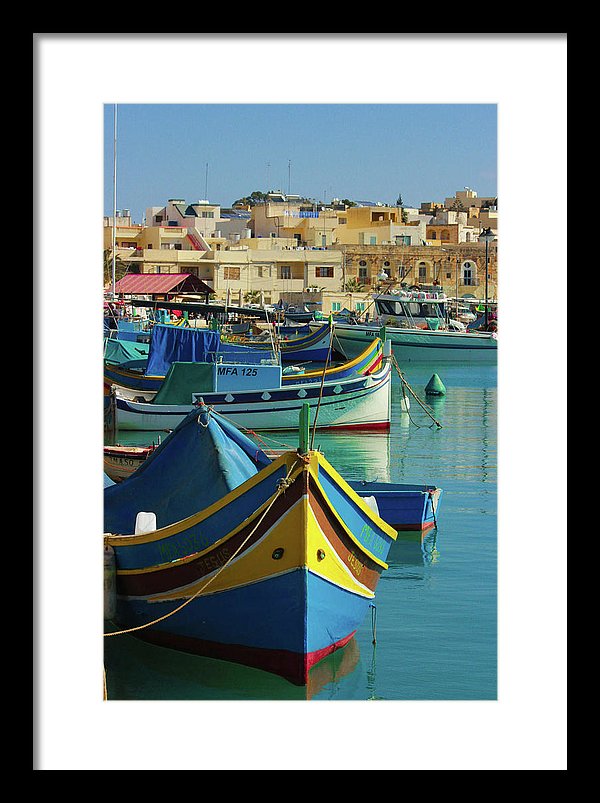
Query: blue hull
pixel 284 624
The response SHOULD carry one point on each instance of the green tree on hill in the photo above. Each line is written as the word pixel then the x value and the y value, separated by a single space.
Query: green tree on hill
pixel 254 198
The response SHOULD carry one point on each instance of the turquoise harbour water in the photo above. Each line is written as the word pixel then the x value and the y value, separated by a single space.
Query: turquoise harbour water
pixel 435 617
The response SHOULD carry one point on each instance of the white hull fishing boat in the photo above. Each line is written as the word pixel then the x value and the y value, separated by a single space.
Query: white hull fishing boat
pixel 253 397
pixel 420 345
pixel 420 330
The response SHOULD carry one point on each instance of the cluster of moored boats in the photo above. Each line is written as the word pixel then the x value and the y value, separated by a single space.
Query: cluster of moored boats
pixel 215 546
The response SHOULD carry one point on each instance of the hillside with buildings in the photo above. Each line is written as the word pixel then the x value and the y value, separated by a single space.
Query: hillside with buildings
pixel 273 247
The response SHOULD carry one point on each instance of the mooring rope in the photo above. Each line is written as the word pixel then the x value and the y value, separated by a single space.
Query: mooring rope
pixel 433 508
pixel 373 622
pixel 263 438
pixel 282 485
pixel 405 383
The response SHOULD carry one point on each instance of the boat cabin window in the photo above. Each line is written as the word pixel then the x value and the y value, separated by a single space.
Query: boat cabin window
pixel 413 308
pixel 410 309
pixel 389 307
pixel 430 311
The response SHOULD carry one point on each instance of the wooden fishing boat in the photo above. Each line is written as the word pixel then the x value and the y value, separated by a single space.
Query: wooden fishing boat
pixel 168 347
pixel 315 346
pixel 121 461
pixel 272 564
pixel 255 398
pixel 406 507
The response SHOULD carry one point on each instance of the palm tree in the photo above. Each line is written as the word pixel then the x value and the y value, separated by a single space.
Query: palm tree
pixel 252 296
pixel 121 267
pixel 353 285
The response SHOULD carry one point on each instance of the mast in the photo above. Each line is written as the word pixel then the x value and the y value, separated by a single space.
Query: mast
pixel 114 227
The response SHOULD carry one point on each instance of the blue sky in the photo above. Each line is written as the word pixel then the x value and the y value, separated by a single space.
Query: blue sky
pixel 423 152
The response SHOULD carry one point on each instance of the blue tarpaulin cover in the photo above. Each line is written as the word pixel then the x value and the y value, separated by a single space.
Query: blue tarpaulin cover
pixel 171 344
pixel 203 459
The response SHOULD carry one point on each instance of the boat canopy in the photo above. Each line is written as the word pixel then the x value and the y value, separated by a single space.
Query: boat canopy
pixel 201 461
pixel 171 344
pixel 118 352
pixel 183 379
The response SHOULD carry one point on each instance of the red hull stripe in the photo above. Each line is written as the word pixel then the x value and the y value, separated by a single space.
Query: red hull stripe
pixel 426 525
pixel 294 667
pixel 379 426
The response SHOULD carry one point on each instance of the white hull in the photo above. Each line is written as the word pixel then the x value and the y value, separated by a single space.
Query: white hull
pixel 420 345
pixel 363 403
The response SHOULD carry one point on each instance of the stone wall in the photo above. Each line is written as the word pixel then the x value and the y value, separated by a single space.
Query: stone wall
pixel 440 265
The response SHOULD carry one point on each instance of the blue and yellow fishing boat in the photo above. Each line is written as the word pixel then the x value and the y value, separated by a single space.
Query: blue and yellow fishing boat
pixel 312 346
pixel 170 345
pixel 271 563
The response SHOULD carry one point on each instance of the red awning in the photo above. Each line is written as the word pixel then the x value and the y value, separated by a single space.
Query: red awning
pixel 158 283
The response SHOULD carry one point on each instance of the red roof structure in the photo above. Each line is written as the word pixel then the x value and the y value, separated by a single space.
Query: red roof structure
pixel 160 284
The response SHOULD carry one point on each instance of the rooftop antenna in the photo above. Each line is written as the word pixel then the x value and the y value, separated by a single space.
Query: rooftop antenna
pixel 206 183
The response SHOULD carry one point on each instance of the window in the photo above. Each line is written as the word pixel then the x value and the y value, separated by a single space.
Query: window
pixel 231 273
pixel 360 306
pixel 335 306
pixel 422 270
pixel 386 264
pixel 362 263
pixel 285 272
pixel 448 276
pixel 208 214
pixel 373 240
pixel 324 272
pixel 362 273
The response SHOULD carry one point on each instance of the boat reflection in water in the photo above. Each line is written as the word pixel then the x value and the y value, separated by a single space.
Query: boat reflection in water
pixel 370 453
pixel 414 549
pixel 137 670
